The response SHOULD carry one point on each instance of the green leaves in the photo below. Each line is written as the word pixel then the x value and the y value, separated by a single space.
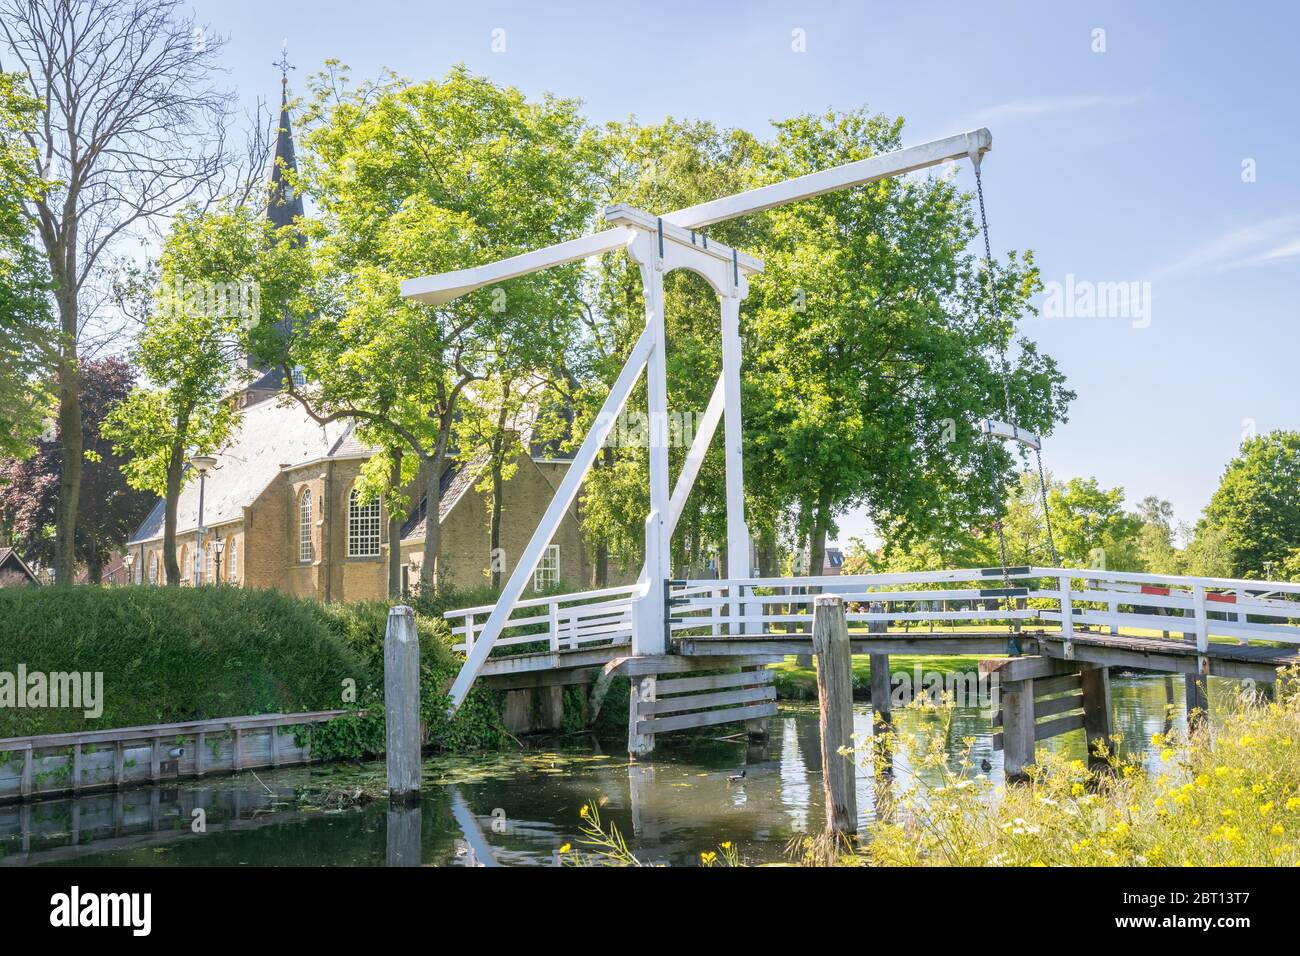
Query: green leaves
pixel 1254 516
pixel 871 344
pixel 28 338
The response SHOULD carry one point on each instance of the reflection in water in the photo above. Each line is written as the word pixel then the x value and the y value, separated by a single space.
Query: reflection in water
pixel 520 808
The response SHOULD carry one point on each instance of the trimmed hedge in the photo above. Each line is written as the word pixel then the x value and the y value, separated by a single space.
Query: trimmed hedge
pixel 175 654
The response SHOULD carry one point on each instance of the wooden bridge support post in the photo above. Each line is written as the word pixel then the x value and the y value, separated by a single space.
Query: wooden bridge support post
pixel 402 705
pixel 880 687
pixel 1096 709
pixel 1017 729
pixel 756 727
pixel 641 691
pixel 830 639
pixel 1198 700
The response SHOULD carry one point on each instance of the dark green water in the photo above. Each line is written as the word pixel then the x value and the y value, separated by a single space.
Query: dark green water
pixel 512 809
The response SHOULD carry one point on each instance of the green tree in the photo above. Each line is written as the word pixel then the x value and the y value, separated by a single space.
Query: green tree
pixel 871 351
pixel 27 334
pixel 225 276
pixel 1254 515
pixel 414 179
pixel 1155 538
pixel 1092 528
pixel 132 130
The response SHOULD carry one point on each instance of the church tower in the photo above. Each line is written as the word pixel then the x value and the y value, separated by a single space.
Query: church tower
pixel 283 206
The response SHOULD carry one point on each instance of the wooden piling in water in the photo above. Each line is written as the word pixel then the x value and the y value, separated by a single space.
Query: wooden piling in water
pixel 880 688
pixel 402 705
pixel 1198 699
pixel 1096 708
pixel 830 639
pixel 1017 728
pixel 641 692
pixel 755 727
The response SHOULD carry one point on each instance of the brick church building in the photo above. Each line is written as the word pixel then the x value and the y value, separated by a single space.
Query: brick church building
pixel 281 510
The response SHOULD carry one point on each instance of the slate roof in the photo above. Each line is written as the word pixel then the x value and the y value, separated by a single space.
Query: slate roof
pixel 271 435
pixel 456 480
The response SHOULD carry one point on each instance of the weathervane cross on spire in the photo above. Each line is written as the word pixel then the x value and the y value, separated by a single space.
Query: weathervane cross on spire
pixel 284 65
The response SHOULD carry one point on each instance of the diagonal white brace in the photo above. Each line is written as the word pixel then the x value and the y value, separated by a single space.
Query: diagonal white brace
pixel 695 456
pixel 550 522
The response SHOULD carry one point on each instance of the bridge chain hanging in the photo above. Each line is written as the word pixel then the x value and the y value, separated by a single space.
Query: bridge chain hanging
pixel 1005 369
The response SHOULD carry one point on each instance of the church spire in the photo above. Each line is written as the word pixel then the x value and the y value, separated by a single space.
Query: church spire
pixel 284 204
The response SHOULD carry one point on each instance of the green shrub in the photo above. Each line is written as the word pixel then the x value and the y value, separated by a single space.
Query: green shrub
pixel 177 654
pixel 169 654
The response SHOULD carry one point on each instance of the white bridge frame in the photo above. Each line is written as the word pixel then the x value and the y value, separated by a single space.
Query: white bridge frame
pixel 658 245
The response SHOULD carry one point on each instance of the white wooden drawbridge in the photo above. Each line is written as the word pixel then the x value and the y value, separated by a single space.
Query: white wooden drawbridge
pixel 739 621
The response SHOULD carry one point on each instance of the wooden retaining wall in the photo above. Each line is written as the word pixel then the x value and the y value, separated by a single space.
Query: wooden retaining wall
pixel 48 764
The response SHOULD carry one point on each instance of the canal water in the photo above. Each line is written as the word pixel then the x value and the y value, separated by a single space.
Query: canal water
pixel 516 808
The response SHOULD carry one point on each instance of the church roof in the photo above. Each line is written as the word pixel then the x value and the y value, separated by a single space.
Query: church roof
pixel 270 436
pixel 456 480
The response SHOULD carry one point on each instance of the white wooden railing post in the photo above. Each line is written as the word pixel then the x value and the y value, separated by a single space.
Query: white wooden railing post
pixel 1067 617
pixel 554 624
pixel 1202 629
pixel 469 633
pixel 1241 615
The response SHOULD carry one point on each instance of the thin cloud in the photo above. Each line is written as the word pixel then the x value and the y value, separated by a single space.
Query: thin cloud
pixel 1050 106
pixel 1269 242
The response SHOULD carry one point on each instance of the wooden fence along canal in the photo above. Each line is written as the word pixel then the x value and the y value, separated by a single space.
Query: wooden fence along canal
pixel 51 764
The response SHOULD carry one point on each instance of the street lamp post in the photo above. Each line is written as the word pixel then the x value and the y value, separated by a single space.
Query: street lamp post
pixel 204 464
pixel 128 559
pixel 218 546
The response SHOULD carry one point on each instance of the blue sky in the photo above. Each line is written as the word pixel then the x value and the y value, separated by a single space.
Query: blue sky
pixel 1117 166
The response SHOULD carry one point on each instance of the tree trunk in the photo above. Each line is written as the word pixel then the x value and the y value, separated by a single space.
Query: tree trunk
pixel 94 567
pixel 72 440
pixel 395 528
pixel 821 524
pixel 432 471
pixel 174 471
pixel 494 523
pixel 767 553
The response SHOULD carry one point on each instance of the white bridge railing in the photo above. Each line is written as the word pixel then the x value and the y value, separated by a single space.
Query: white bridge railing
pixel 560 622
pixel 1071 599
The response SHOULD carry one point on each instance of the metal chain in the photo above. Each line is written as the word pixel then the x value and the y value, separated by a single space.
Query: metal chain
pixel 1002 353
pixel 993 301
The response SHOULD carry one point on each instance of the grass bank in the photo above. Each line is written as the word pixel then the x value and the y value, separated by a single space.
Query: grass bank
pixel 177 654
